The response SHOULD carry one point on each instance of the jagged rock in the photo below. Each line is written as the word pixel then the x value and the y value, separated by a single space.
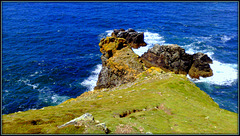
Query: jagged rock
pixel 121 65
pixel 132 37
pixel 173 58
pixel 121 68
pixel 169 58
pixel 109 45
pixel 200 66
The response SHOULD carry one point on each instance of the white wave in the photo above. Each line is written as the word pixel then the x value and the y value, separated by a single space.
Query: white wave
pixel 91 81
pixel 109 32
pixel 27 82
pixel 225 38
pixel 223 73
pixel 151 39
pixel 57 99
pixel 34 74
pixel 48 96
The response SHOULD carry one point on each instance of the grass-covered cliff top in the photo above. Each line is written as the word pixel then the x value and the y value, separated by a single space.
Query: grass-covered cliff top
pixel 157 102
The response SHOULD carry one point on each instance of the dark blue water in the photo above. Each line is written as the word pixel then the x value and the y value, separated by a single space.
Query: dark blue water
pixel 50 50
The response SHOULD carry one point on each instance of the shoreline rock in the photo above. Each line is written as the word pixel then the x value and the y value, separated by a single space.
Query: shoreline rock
pixel 132 37
pixel 173 58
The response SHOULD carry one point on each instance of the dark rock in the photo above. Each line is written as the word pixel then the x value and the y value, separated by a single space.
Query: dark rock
pixel 115 32
pixel 200 66
pixel 131 30
pixel 121 29
pixel 122 34
pixel 173 58
pixel 170 57
pixel 132 37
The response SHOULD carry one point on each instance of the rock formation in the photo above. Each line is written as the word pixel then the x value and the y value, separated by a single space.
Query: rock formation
pixel 173 58
pixel 200 66
pixel 119 63
pixel 132 37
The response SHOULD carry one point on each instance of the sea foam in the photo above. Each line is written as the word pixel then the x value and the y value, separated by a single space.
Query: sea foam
pixel 151 39
pixel 91 81
pixel 223 73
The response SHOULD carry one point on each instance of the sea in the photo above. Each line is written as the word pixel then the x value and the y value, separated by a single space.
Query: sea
pixel 50 50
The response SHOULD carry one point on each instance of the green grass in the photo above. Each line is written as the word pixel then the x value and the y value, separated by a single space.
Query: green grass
pixel 161 103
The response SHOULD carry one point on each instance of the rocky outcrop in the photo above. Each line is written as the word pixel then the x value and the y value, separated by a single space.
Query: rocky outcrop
pixel 200 66
pixel 119 63
pixel 173 58
pixel 132 37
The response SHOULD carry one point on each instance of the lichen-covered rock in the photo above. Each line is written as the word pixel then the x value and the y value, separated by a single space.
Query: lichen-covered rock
pixel 109 45
pixel 132 37
pixel 121 68
pixel 173 58
pixel 119 63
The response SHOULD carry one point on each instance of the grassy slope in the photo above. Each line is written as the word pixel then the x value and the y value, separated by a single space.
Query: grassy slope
pixel 156 102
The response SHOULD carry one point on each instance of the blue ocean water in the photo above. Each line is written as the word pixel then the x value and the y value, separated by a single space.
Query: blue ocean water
pixel 50 50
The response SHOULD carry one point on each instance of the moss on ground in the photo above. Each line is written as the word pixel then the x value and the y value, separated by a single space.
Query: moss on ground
pixel 157 102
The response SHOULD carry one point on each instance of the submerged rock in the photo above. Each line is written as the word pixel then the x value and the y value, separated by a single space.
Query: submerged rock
pixel 173 58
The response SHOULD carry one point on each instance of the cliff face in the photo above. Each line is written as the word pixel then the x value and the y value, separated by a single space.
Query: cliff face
pixel 119 63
